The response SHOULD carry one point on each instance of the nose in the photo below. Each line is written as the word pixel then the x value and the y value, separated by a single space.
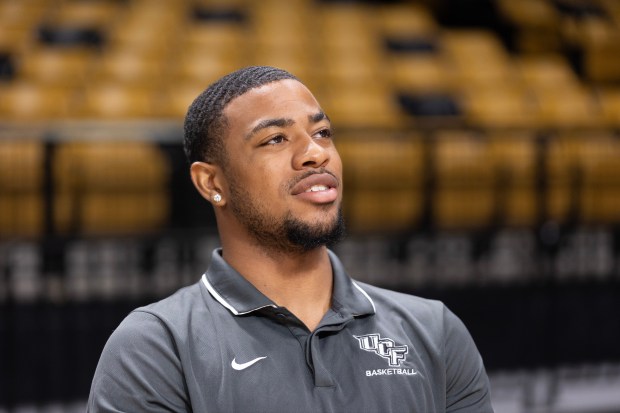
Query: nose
pixel 310 154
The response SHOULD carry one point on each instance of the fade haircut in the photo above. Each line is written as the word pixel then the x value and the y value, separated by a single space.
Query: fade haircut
pixel 205 122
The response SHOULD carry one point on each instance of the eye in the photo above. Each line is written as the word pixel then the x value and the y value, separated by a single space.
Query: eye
pixel 325 133
pixel 275 140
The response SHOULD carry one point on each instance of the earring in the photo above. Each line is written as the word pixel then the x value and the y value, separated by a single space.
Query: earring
pixel 217 197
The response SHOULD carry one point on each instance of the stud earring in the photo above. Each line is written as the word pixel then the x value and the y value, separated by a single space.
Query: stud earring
pixel 217 197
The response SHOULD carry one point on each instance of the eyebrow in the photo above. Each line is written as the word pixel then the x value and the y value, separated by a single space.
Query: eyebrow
pixel 317 117
pixel 283 122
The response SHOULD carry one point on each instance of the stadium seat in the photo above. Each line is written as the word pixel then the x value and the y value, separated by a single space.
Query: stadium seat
pixel 130 68
pixel 111 100
pixel 505 106
pixel 583 178
pixel 568 108
pixel 196 65
pixel 405 20
pixel 110 187
pixel 464 191
pixel 56 65
pixel 362 106
pixel 515 159
pixel 384 181
pixel 178 97
pixel 21 188
pixel 420 73
pixel 609 101
pixel 27 101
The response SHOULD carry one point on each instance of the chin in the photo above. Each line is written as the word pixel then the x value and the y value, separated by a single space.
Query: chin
pixel 310 235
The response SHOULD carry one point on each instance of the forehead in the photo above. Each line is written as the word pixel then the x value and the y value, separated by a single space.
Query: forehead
pixel 284 98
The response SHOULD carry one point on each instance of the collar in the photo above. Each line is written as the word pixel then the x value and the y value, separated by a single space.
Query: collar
pixel 240 297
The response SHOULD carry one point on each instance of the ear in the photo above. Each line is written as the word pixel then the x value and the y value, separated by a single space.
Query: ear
pixel 206 178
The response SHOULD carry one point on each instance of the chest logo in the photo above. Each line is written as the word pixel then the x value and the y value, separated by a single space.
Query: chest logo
pixel 384 347
pixel 243 366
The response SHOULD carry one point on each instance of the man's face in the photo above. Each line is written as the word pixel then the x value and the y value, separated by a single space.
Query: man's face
pixel 283 172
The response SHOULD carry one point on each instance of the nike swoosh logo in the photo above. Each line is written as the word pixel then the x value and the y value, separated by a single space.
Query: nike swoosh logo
pixel 244 366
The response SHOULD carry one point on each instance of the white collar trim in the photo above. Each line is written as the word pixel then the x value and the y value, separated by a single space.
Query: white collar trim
pixel 365 295
pixel 225 303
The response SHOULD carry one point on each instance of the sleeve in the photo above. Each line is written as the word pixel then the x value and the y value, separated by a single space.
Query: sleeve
pixel 139 370
pixel 467 384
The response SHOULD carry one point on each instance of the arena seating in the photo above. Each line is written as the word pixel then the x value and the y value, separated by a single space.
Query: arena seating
pixel 480 142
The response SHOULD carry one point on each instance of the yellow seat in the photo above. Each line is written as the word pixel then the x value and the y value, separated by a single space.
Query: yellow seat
pixel 129 67
pixel 583 177
pixel 216 36
pixel 293 60
pixel 109 165
pixel 514 156
pixel 95 213
pixel 384 179
pixel 57 66
pixel 178 98
pixel 382 161
pixel 506 106
pixel 21 188
pixel 602 63
pixel 110 187
pixel 537 24
pixel 355 106
pixel 530 13
pixel 21 165
pixel 383 211
pixel 18 22
pixel 498 72
pixel 464 196
pixel 21 215
pixel 354 68
pixel 31 101
pixel 476 46
pixel 609 101
pixel 600 195
pixel 568 108
pixel 119 101
pixel 195 65
pixel 15 38
pixel 546 72
pixel 597 38
pixel 97 14
pixel 413 72
pixel 406 20
pixel 152 28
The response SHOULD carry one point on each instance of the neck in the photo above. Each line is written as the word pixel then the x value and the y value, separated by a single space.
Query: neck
pixel 300 281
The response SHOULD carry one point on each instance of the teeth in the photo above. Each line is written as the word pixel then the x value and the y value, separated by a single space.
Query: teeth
pixel 317 188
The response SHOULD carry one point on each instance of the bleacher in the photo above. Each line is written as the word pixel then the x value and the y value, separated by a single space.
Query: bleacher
pixel 480 140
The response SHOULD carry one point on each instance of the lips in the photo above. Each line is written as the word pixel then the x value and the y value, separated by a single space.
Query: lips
pixel 315 183
pixel 318 188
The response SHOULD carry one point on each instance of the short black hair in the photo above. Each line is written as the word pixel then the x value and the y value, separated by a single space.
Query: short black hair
pixel 205 121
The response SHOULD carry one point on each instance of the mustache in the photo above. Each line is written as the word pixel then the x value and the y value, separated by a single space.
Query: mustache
pixel 321 170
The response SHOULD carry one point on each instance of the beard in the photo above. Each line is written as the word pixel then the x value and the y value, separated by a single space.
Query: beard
pixel 288 234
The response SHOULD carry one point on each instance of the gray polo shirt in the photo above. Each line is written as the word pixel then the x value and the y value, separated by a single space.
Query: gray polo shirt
pixel 222 346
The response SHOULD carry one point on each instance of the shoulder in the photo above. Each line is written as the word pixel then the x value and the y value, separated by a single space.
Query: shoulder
pixel 142 359
pixel 422 316
pixel 403 304
pixel 137 367
pixel 178 304
pixel 159 324
pixel 174 310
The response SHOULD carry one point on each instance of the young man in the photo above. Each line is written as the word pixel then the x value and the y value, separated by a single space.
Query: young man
pixel 275 324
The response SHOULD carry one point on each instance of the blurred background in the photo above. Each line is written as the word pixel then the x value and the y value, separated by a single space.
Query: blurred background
pixel 482 167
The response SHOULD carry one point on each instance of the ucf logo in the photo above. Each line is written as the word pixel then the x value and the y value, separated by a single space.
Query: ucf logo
pixel 384 347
